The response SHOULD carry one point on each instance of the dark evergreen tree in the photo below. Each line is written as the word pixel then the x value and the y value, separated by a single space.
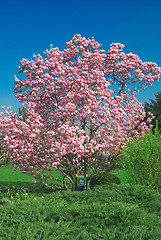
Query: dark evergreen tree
pixel 155 108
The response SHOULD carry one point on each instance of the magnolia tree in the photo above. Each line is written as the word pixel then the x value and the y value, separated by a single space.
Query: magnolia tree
pixel 75 122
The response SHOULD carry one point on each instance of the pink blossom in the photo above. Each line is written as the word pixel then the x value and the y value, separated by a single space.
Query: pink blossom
pixel 72 115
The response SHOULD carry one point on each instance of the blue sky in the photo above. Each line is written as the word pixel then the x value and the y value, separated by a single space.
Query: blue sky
pixel 29 27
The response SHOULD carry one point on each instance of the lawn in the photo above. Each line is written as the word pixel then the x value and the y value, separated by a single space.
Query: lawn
pixel 106 212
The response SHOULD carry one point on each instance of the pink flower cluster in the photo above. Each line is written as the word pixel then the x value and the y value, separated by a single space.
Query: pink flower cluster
pixel 72 116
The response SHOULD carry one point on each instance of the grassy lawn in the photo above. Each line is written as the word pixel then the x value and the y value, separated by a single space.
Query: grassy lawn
pixel 106 212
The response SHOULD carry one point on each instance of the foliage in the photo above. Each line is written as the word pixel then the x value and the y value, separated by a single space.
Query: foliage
pixel 19 193
pixel 116 212
pixel 6 156
pixel 103 178
pixel 5 201
pixel 1 195
pixel 142 159
pixel 23 113
pixel 155 108
pixel 130 212
pixel 73 122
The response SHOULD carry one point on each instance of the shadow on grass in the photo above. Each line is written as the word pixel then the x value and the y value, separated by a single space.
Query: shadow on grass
pixel 32 188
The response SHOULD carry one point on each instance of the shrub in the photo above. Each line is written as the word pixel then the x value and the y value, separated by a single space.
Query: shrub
pixel 1 196
pixel 103 178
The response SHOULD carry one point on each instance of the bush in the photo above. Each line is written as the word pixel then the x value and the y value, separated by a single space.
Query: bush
pixel 103 178
pixel 1 196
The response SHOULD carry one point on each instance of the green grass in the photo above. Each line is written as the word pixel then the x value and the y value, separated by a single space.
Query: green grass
pixel 106 212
